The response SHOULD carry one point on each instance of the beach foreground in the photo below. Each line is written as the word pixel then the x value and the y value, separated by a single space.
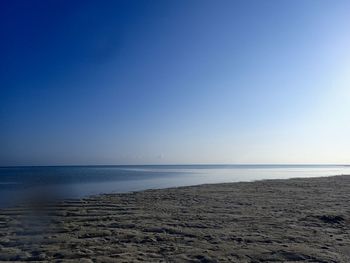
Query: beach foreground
pixel 265 221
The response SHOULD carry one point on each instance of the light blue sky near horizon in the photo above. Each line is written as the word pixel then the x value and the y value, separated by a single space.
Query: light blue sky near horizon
pixel 162 82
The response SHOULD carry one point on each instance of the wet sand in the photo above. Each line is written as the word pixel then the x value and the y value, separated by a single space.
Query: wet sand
pixel 265 221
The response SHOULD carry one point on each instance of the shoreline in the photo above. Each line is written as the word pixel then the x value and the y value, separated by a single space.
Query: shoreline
pixel 190 186
pixel 297 219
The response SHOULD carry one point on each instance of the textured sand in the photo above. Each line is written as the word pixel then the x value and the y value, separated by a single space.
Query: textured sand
pixel 267 221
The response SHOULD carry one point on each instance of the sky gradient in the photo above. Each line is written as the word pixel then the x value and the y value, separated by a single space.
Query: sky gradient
pixel 174 82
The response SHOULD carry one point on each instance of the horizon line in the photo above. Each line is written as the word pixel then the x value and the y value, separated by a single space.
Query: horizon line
pixel 178 164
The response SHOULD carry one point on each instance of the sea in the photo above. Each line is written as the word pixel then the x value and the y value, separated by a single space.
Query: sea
pixel 70 182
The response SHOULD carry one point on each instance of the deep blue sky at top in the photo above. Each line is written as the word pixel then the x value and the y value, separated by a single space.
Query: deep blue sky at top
pixel 114 82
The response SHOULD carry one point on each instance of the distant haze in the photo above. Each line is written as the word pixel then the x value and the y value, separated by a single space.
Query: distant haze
pixel 163 82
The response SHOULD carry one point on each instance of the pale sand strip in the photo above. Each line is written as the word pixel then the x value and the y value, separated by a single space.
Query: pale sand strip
pixel 266 221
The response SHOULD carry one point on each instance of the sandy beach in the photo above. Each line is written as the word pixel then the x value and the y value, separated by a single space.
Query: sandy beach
pixel 265 221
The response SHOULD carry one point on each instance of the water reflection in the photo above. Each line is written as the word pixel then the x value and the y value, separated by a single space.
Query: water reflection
pixel 19 184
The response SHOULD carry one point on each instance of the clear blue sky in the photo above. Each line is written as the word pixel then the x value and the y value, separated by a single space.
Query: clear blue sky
pixel 147 82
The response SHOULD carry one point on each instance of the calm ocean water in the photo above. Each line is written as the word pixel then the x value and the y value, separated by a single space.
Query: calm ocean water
pixel 81 181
